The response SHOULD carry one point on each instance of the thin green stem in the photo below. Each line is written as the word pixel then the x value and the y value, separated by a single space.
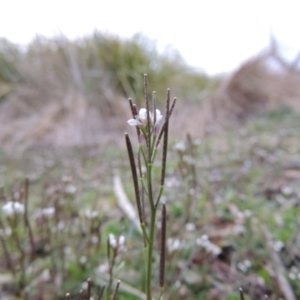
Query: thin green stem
pixel 152 148
pixel 143 153
pixel 159 195
pixel 150 254
pixel 145 233
pixel 144 185
pixel 149 181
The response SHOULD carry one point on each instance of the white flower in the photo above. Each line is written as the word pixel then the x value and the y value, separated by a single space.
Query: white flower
pixel 70 189
pixel 190 227
pixel 141 119
pixel 112 240
pixel 158 117
pixel 10 208
pixel 278 246
pixel 82 260
pixel 47 212
pixel 117 243
pixel 205 243
pixel 173 245
pixel 180 146
pixel 91 214
pixel 103 268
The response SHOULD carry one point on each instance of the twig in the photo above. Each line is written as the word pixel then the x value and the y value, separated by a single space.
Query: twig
pixel 125 204
pixel 284 285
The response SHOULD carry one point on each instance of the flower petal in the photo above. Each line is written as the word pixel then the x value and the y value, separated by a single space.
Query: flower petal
pixel 159 116
pixel 134 122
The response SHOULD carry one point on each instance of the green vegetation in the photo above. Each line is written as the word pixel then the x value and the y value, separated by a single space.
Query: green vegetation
pixel 225 196
pixel 99 62
pixel 232 198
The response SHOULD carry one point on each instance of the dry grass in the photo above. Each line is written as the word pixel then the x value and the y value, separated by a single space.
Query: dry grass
pixel 74 93
pixel 264 83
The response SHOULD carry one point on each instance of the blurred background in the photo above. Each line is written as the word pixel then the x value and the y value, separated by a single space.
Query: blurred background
pixel 67 68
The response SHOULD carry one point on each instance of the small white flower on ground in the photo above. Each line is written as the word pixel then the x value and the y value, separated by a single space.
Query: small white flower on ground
pixel 242 267
pixel 278 246
pixel 210 247
pixel 292 276
pixel 47 212
pixel 103 268
pixel 82 260
pixel 91 214
pixel 238 229
pixel 173 244
pixel 46 275
pixel 180 146
pixel 141 119
pixel 11 208
pixel 94 239
pixel 190 227
pixel 245 265
pixel 70 189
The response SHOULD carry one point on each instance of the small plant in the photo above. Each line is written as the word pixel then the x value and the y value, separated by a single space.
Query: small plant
pixel 149 134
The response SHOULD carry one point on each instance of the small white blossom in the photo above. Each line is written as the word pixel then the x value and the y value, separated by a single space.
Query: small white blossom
pixel 141 119
pixel 248 213
pixel 91 214
pixel 292 276
pixel 205 243
pixel 278 246
pixel 46 275
pixel 70 189
pixel 103 268
pixel 117 243
pixel 173 244
pixel 94 239
pixel 11 208
pixel 238 229
pixel 82 259
pixel 84 285
pixel 180 146
pixel 287 190
pixel 245 265
pixel 112 240
pixel 68 251
pixel 47 212
pixel 242 267
pixel 190 226
pixel 66 179
pixel 16 195
pixel 60 225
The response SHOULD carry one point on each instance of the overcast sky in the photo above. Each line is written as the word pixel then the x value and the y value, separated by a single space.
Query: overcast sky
pixel 213 35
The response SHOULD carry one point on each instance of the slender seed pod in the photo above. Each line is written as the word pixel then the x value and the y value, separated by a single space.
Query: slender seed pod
pixel 101 293
pixel 165 142
pixel 154 110
pixel 163 127
pixel 68 296
pixel 148 137
pixel 163 246
pixel 134 114
pixel 134 177
pixel 241 294
pixel 116 290
pixel 89 288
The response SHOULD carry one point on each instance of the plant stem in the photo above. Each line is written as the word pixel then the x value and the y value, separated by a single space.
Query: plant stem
pixel 150 253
